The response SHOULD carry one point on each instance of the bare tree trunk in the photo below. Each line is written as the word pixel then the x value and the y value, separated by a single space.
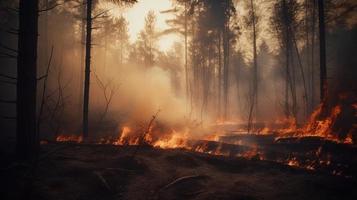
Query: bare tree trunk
pixel 302 73
pixel 313 55
pixel 193 88
pixel 27 138
pixel 253 108
pixel 219 75
pixel 293 81
pixel 82 49
pixel 106 27
pixel 225 67
pixel 287 60
pixel 87 68
pixel 45 36
pixel 307 56
pixel 186 63
pixel 323 72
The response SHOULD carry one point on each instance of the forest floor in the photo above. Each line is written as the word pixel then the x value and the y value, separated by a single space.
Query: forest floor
pixel 100 172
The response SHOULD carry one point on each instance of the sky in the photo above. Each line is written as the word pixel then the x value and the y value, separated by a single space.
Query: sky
pixel 136 14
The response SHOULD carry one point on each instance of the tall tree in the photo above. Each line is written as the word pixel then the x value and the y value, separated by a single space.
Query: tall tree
pixel 122 37
pixel 82 49
pixel 323 71
pixel 27 138
pixel 180 24
pixel 285 23
pixel 87 68
pixel 89 21
pixel 147 40
pixel 252 21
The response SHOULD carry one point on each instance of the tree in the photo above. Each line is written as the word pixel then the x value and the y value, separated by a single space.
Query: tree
pixel 285 23
pixel 323 72
pixel 252 21
pixel 27 138
pixel 180 25
pixel 88 58
pixel 210 46
pixel 87 68
pixel 122 37
pixel 147 41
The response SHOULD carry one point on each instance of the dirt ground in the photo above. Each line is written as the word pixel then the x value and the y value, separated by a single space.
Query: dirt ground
pixel 100 172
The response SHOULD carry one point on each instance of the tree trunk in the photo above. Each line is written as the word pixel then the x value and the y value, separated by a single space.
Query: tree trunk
pixel 313 55
pixel 219 106
pixel 255 88
pixel 186 63
pixel 323 72
pixel 87 68
pixel 27 138
pixel 82 49
pixel 225 69
pixel 287 60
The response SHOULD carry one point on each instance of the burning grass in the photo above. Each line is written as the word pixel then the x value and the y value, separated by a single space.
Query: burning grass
pixel 315 146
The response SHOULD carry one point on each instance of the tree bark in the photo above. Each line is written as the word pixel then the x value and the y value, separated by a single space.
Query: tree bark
pixel 87 69
pixel 225 69
pixel 313 55
pixel 186 61
pixel 82 49
pixel 27 138
pixel 323 72
pixel 255 84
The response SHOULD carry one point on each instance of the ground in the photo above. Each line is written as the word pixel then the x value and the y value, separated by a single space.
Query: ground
pixel 91 172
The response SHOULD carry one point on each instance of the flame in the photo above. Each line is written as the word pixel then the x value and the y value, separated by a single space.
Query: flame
pixel 293 162
pixel 252 153
pixel 211 142
pixel 175 140
pixel 69 138
pixel 317 127
pixel 125 138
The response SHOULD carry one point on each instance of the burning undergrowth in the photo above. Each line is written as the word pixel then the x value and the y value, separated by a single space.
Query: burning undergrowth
pixel 322 144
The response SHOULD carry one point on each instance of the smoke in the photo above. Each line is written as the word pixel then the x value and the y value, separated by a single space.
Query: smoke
pixel 144 91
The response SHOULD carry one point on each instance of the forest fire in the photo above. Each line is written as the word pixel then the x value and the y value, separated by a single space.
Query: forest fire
pixel 178 99
pixel 215 144
pixel 260 144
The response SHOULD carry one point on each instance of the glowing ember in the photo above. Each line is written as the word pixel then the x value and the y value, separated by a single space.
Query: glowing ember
pixel 69 138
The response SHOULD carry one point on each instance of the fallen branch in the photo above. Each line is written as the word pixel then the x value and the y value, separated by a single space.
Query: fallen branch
pixel 102 179
pixel 183 179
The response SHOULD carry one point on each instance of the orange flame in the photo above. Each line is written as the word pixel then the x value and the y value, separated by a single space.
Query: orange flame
pixel 69 138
